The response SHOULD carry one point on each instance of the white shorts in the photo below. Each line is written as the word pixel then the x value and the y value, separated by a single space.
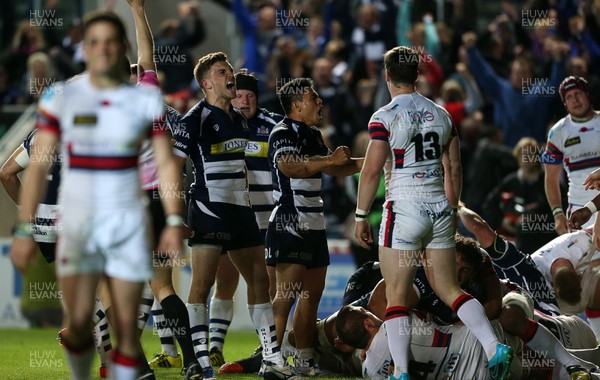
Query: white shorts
pixel 407 225
pixel 114 243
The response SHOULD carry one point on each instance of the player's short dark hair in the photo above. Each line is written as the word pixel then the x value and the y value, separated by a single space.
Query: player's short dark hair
pixel 567 286
pixel 469 250
pixel 293 91
pixel 402 65
pixel 205 63
pixel 108 17
pixel 349 325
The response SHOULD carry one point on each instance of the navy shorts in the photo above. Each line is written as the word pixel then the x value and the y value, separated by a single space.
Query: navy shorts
pixel 306 247
pixel 230 226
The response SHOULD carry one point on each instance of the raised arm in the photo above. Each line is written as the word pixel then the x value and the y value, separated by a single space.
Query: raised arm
pixel 143 37
pixel 476 225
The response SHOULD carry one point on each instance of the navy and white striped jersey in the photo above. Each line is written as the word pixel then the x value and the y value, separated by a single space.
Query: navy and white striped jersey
pixel 519 268
pixel 298 200
pixel 216 144
pixel 257 161
pixel 44 230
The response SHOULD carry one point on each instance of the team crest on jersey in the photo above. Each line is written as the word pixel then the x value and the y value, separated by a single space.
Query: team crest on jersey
pixel 573 141
pixel 262 130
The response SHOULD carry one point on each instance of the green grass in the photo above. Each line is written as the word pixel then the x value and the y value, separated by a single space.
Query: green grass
pixel 35 354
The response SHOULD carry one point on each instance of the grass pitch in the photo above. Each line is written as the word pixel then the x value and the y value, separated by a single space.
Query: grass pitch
pixel 35 354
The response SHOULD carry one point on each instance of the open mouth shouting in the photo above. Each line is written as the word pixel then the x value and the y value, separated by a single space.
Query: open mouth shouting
pixel 230 85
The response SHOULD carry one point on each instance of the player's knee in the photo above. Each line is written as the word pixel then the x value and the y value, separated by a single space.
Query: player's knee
pixel 513 320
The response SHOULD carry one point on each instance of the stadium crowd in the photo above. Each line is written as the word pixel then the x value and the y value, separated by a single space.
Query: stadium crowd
pixel 515 93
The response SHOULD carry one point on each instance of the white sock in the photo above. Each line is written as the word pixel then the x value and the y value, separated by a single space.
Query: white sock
pixel 199 324
pixel 264 323
pixel 80 361
pixel 144 308
pixel 124 367
pixel 304 358
pixel 164 331
pixel 470 311
pixel 101 333
pixel 221 314
pixel 593 317
pixel 397 327
pixel 543 341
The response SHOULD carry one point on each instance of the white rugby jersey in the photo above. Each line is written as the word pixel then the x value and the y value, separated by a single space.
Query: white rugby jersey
pixel 417 131
pixel 438 352
pixel 577 247
pixel 101 132
pixel 575 145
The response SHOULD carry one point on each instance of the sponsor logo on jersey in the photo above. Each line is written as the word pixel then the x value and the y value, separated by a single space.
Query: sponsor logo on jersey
pixel 430 173
pixel 85 120
pixel 420 116
pixel 573 141
pixel 257 149
pixel 229 146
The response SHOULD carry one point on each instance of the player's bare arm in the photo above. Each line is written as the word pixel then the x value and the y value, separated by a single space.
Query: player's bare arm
pixel 9 171
pixel 170 189
pixel 452 165
pixel 580 216
pixel 294 166
pixel 552 186
pixel 34 185
pixel 370 175
pixel 143 37
pixel 352 167
pixel 476 225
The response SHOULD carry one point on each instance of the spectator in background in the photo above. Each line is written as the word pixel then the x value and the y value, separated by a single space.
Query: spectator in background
pixel 453 100
pixel 370 40
pixel 474 99
pixel 173 44
pixel 521 104
pixel 27 39
pixel 337 52
pixel 41 73
pixel 517 207
pixel 490 162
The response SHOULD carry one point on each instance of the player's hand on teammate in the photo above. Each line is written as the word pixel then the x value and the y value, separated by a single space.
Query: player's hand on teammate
pixel 362 234
pixel 592 182
pixel 561 225
pixel 341 156
pixel 22 252
pixel 579 218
